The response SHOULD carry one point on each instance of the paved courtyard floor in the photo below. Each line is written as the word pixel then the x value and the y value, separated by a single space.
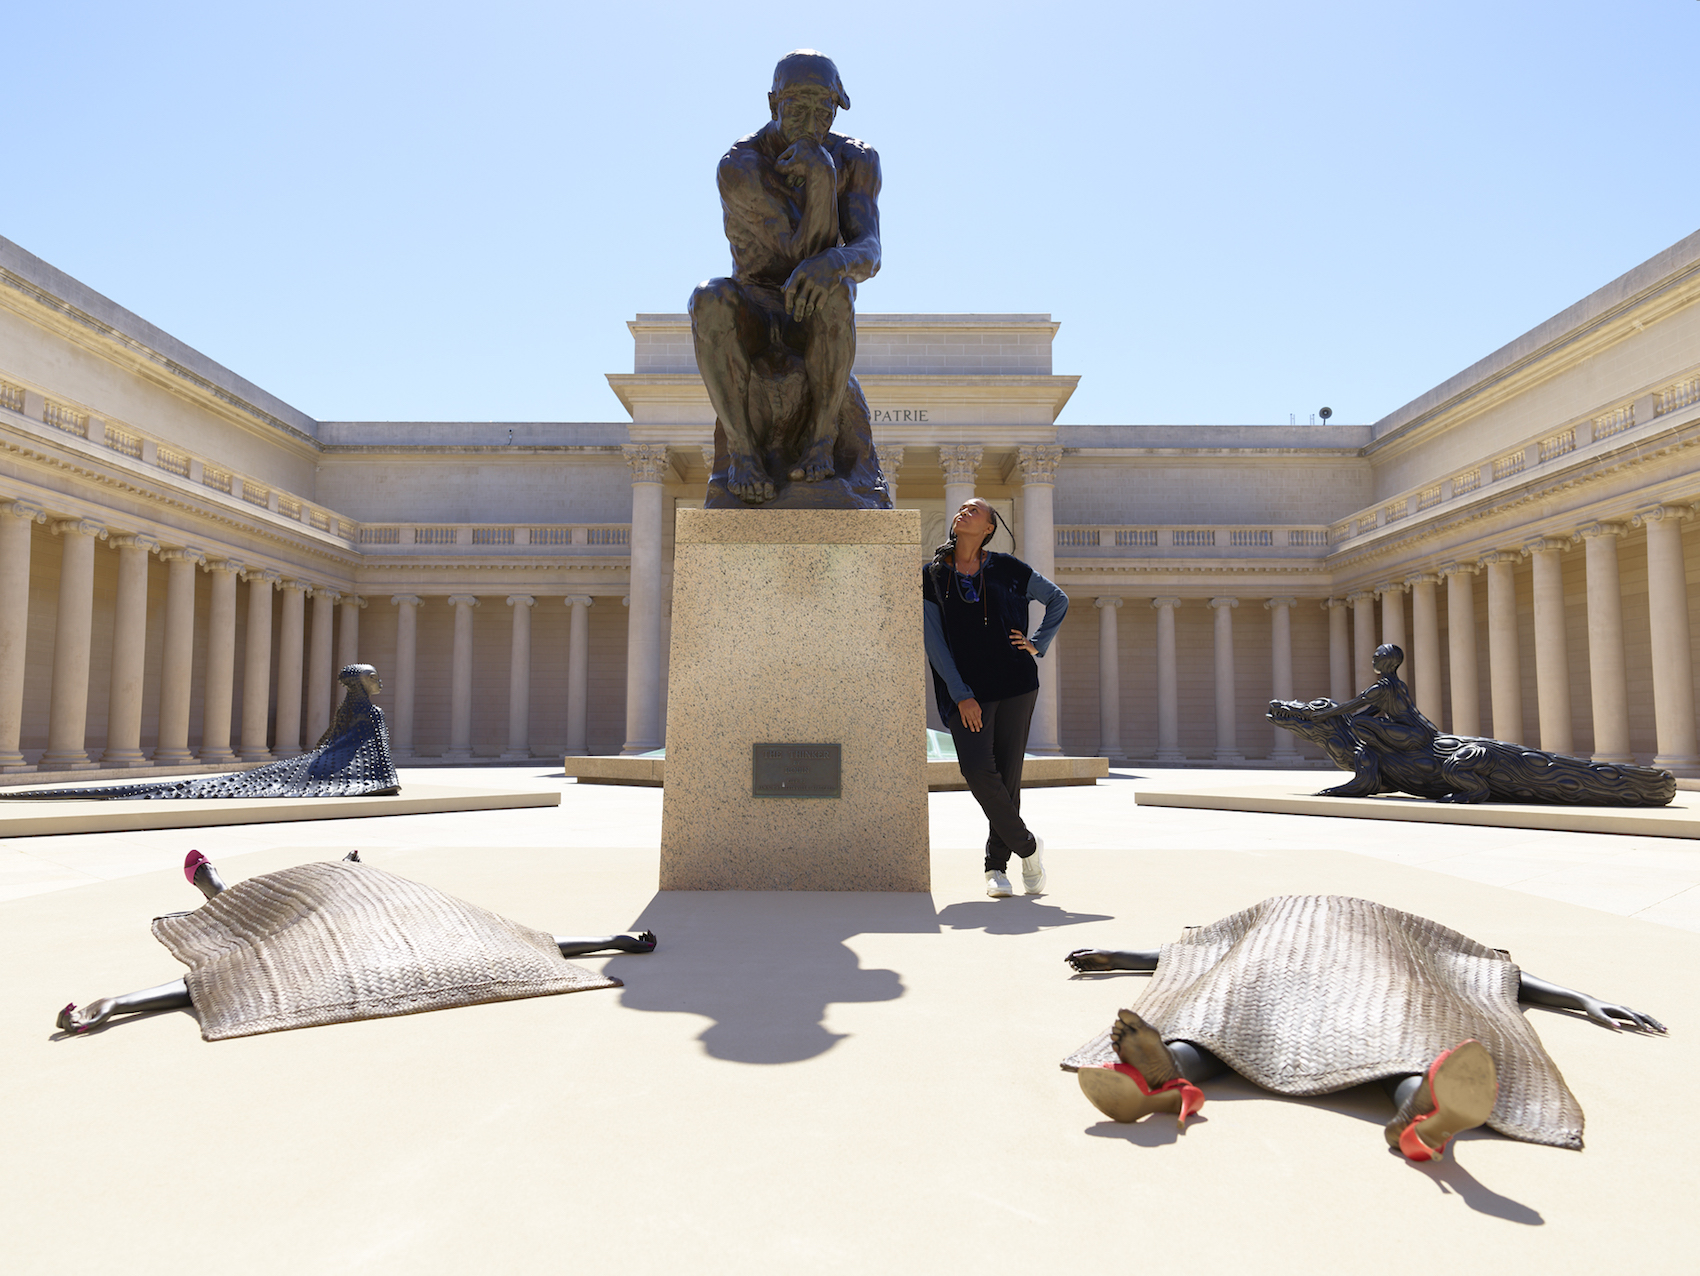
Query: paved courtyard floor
pixel 819 1082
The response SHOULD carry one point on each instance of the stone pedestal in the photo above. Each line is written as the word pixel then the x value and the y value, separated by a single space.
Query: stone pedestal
pixel 800 627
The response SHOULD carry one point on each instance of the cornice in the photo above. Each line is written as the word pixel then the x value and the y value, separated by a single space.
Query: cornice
pixel 42 307
pixel 1614 324
pixel 633 388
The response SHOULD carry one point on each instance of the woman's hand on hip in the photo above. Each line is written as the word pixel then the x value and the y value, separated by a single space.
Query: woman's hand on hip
pixel 969 709
pixel 1019 639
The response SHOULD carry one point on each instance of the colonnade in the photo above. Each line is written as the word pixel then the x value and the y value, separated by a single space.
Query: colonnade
pixel 301 652
pixel 1353 635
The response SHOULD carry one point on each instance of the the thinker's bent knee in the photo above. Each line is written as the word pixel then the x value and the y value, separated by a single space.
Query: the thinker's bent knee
pixel 715 301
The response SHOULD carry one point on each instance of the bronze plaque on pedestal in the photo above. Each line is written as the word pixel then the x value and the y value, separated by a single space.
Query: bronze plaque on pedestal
pixel 796 770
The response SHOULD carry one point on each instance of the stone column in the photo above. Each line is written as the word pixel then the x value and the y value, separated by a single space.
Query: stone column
pixel 1552 650
pixel 959 461
pixel 1363 639
pixel 1168 694
pixel 68 713
pixel 578 673
pixel 291 644
pixel 648 463
pixel 257 667
pixel 348 641
pixel 404 685
pixel 1505 668
pixel 1109 682
pixel 1039 548
pixel 1281 669
pixel 1425 645
pixel 177 666
pixel 519 681
pixel 1227 749
pixel 460 679
pixel 221 664
pixel 891 460
pixel 1608 685
pixel 15 520
pixel 1673 672
pixel 321 677
pixel 129 652
pixel 1461 647
pixel 1392 596
pixel 1339 651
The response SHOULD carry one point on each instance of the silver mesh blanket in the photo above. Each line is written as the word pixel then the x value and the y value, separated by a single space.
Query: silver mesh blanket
pixel 329 943
pixel 1307 994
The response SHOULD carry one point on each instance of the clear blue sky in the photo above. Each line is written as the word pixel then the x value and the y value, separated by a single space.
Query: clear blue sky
pixel 1238 211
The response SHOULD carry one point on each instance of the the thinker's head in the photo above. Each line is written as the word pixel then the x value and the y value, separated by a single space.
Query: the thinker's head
pixel 1387 658
pixel 807 96
pixel 363 677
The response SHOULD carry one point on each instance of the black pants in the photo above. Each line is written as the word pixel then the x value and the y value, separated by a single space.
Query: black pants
pixel 991 759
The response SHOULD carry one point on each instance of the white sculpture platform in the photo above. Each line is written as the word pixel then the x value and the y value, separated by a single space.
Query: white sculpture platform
pixel 1680 819
pixel 799 627
pixel 38 819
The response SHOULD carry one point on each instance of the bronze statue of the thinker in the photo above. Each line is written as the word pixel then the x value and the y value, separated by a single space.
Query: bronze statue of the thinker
pixel 775 342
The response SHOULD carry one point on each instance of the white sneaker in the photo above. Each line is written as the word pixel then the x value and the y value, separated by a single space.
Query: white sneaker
pixel 1033 868
pixel 997 885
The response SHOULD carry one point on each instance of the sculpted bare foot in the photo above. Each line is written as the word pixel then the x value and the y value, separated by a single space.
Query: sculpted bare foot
pixel 816 463
pixel 1089 960
pixel 748 481
pixel 1139 1045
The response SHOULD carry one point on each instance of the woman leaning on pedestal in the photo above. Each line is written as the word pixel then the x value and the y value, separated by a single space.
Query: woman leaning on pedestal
pixel 986 678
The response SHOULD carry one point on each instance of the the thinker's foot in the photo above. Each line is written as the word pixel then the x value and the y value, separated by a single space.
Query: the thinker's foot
pixel 816 463
pixel 748 481
pixel 1139 1045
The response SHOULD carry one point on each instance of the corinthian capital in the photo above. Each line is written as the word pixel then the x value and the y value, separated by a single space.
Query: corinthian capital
pixel 960 461
pixel 1039 463
pixel 648 461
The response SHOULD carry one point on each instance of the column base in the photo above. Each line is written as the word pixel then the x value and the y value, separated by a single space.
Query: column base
pixel 1232 757
pixel 576 753
pixel 633 750
pixel 261 754
pixel 512 755
pixel 222 757
pixel 174 757
pixel 1045 750
pixel 457 755
pixel 1684 765
pixel 1170 755
pixel 16 768
pixel 1613 759
pixel 1114 758
pixel 78 761
pixel 1287 755
pixel 123 757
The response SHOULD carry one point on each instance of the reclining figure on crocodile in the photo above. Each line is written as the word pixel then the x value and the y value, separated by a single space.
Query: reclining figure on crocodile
pixel 1390 747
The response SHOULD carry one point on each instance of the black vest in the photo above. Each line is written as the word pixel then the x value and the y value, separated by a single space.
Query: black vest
pixel 978 632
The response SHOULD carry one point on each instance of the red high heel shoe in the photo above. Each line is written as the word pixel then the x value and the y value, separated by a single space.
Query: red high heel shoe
pixel 1457 1094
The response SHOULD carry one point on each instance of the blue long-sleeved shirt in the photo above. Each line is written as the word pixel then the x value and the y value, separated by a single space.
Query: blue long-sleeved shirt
pixel 1039 590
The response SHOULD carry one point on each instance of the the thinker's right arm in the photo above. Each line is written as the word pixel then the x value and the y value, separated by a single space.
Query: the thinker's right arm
pixel 760 222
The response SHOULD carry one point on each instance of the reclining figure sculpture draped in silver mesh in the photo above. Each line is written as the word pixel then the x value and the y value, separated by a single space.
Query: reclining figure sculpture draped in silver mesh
pixel 1390 747
pixel 351 759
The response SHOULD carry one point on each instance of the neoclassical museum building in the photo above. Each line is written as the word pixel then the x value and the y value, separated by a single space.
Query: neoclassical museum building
pixel 185 559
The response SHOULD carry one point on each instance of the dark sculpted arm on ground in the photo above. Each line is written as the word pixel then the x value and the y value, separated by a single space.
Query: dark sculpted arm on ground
pixel 1091 961
pixel 1539 992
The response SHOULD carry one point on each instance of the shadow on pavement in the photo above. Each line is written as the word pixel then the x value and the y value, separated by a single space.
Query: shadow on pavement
pixel 1018 915
pixel 765 965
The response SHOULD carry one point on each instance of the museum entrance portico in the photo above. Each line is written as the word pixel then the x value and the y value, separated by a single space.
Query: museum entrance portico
pixel 183 567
